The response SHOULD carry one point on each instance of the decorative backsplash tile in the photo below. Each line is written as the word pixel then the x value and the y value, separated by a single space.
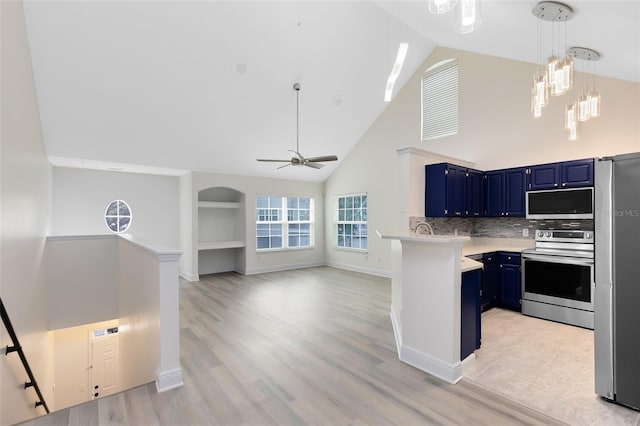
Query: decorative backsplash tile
pixel 495 227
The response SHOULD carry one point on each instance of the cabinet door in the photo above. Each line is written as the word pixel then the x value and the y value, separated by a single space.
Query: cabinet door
pixel 515 187
pixel 544 176
pixel 435 196
pixel 475 193
pixel 456 190
pixel 577 173
pixel 494 190
pixel 510 286
pixel 470 313
pixel 490 277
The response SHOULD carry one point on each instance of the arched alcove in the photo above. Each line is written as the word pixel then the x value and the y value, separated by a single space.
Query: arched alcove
pixel 221 234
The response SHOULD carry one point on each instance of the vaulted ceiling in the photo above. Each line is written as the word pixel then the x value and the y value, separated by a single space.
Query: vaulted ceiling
pixel 207 85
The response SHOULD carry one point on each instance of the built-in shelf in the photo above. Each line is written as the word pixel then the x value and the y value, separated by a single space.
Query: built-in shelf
pixel 217 245
pixel 218 204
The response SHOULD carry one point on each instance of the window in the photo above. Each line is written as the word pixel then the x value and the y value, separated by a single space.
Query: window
pixel 275 230
pixel 440 100
pixel 118 216
pixel 351 226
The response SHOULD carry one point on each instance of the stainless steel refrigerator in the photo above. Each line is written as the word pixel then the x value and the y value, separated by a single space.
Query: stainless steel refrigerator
pixel 617 278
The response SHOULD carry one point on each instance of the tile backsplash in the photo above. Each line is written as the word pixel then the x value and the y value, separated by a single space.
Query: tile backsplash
pixel 495 227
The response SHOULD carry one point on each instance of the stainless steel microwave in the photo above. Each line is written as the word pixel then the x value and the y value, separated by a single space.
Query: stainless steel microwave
pixel 574 203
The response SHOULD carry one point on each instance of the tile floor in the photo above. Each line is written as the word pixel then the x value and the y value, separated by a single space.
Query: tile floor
pixel 545 365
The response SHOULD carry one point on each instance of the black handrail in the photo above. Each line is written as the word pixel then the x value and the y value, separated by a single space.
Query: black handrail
pixel 17 348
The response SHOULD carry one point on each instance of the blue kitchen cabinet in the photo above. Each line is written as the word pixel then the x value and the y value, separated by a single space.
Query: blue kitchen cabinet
pixel 490 278
pixel 470 310
pixel 510 281
pixel 516 186
pixel 544 176
pixel 577 173
pixel 567 174
pixel 494 193
pixel 505 190
pixel 475 193
pixel 445 190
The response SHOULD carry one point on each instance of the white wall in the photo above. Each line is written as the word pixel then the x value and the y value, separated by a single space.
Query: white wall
pixel 187 216
pixel 252 186
pixel 25 200
pixel 82 277
pixel 496 130
pixel 80 198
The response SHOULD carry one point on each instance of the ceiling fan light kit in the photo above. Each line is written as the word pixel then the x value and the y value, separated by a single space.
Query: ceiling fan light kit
pixel 298 159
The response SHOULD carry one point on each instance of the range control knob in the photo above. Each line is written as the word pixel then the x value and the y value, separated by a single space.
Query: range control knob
pixel 548 234
pixel 540 233
pixel 588 235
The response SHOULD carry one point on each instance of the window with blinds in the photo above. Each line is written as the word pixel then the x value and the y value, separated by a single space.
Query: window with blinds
pixel 440 100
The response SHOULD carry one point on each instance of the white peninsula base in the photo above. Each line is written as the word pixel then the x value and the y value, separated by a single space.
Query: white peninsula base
pixel 425 301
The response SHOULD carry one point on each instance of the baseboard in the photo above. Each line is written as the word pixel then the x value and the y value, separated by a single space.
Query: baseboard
pixel 189 277
pixel 277 268
pixel 451 373
pixel 396 331
pixel 167 380
pixel 369 271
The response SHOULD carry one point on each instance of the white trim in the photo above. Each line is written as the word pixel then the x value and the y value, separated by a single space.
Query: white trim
pixel 369 271
pixel 217 245
pixel 219 204
pixel 450 373
pixel 81 237
pixel 278 268
pixel 167 380
pixel 396 331
pixel 437 158
pixel 188 276
pixel 162 253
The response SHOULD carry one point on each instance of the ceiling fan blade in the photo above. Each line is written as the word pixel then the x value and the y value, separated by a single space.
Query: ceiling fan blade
pixel 324 158
pixel 273 161
pixel 285 165
pixel 313 165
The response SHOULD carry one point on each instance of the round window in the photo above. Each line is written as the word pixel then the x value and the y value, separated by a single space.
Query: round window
pixel 118 216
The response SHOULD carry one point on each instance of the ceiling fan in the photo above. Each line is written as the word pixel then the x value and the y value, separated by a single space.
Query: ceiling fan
pixel 298 159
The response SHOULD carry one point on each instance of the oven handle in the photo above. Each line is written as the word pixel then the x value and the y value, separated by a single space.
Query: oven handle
pixel 558 259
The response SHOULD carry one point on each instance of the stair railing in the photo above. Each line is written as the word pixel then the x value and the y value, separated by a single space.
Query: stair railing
pixel 17 348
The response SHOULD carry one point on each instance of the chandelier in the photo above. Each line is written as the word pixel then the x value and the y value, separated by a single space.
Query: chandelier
pixel 555 75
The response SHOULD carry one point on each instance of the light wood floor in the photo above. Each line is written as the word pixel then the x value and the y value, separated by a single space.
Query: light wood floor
pixel 311 346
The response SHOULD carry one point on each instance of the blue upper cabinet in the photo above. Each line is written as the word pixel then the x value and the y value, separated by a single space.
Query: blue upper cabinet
pixel 576 173
pixel 475 193
pixel 544 176
pixel 568 174
pixel 447 192
pixel 516 186
pixel 505 192
pixel 442 190
pixel 494 190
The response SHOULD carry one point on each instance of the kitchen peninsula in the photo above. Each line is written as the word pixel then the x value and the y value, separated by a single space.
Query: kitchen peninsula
pixel 425 300
pixel 426 295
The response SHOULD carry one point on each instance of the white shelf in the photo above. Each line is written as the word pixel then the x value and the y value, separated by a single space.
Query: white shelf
pixel 218 205
pixel 217 245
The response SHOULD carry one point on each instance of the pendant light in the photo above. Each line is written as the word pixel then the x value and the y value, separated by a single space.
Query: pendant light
pixel 439 7
pixel 467 16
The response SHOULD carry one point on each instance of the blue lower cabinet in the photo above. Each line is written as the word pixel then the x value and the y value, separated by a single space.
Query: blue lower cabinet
pixel 510 281
pixel 470 310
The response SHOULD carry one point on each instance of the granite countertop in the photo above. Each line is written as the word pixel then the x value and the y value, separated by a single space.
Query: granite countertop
pixel 467 264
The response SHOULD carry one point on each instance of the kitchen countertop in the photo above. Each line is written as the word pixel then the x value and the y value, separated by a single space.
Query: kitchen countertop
pixel 487 245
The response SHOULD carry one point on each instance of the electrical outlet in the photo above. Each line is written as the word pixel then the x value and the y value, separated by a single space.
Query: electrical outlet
pixel 525 232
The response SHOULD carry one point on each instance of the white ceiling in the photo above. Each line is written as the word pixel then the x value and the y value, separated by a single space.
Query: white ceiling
pixel 207 85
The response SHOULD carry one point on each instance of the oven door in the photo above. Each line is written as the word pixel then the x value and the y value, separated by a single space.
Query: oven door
pixel 558 280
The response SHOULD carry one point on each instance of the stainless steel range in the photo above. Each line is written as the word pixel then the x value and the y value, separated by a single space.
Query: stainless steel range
pixel 558 278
